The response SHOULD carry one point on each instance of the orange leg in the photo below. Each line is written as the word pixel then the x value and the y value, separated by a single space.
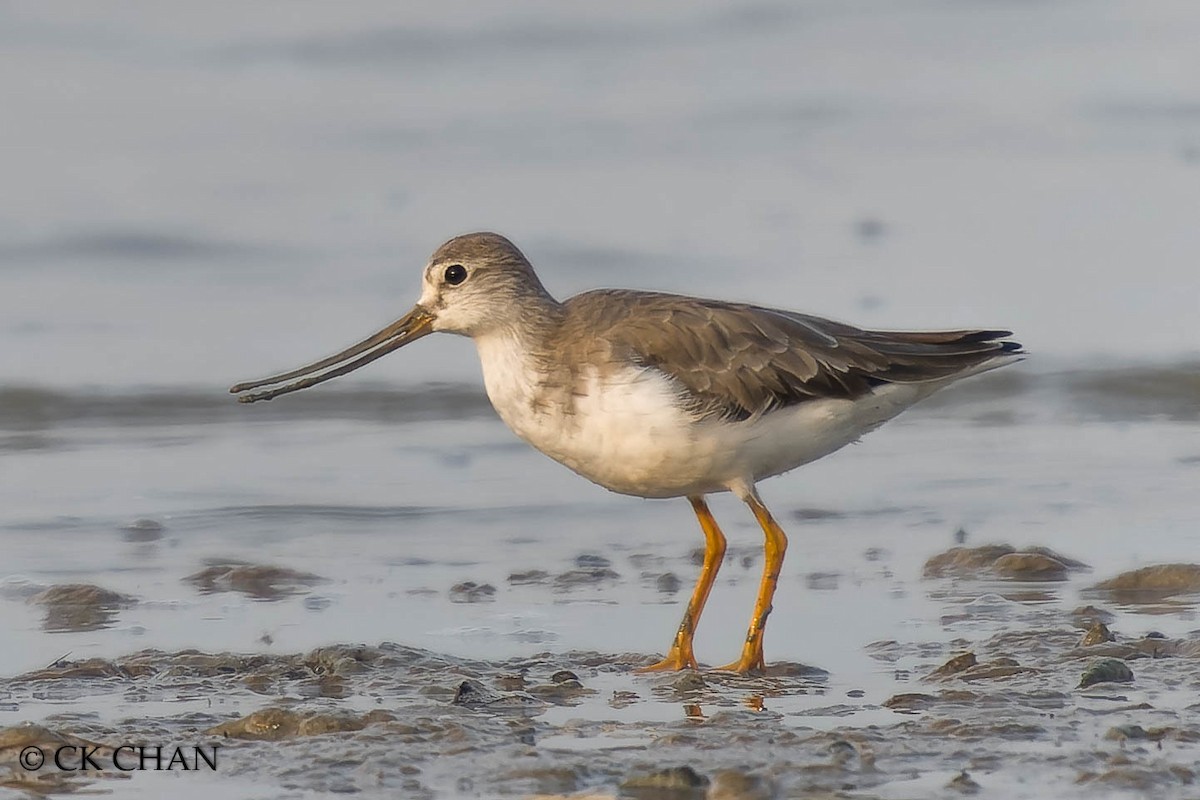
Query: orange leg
pixel 680 656
pixel 776 547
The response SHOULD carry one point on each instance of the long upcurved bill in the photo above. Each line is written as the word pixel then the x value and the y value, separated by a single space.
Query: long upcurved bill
pixel 410 327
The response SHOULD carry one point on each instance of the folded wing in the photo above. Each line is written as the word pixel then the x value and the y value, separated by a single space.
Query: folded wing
pixel 736 361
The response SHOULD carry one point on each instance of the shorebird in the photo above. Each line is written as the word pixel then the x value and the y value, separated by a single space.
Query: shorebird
pixel 661 395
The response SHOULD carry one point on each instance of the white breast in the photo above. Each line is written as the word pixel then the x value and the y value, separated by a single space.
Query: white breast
pixel 624 431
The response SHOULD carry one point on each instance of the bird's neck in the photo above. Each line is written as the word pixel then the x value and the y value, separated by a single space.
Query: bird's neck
pixel 530 330
pixel 520 368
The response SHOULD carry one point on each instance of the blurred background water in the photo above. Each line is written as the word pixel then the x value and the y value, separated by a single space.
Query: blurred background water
pixel 197 194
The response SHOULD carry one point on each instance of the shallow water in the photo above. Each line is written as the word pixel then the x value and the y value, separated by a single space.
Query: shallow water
pixel 205 198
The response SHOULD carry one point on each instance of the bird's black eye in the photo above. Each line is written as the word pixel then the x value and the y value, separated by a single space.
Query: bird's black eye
pixel 455 274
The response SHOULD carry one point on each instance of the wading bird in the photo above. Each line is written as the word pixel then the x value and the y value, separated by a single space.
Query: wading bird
pixel 660 395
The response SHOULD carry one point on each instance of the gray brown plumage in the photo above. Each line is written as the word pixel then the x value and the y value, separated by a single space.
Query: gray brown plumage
pixel 737 360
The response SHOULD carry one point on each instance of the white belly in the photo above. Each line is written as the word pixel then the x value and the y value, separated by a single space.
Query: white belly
pixel 626 431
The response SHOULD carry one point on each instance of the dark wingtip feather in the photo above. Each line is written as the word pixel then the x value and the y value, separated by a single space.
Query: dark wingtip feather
pixel 996 337
pixel 983 336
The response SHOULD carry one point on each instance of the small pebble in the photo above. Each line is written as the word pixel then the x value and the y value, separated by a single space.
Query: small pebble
pixel 529 576
pixel 959 663
pixel 1120 732
pixel 1097 634
pixel 472 592
pixel 1105 670
pixel 143 530
pixel 963 784
pixel 688 681
pixel 667 583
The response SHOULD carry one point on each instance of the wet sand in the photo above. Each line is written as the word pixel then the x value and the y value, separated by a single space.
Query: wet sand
pixel 1023 699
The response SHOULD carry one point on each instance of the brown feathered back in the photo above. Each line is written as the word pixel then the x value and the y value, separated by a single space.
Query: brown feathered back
pixel 735 361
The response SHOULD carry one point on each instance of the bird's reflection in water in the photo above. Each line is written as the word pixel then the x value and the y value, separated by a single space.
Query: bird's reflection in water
pixel 754 702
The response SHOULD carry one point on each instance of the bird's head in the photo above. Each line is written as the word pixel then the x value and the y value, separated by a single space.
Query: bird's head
pixel 473 285
pixel 477 283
